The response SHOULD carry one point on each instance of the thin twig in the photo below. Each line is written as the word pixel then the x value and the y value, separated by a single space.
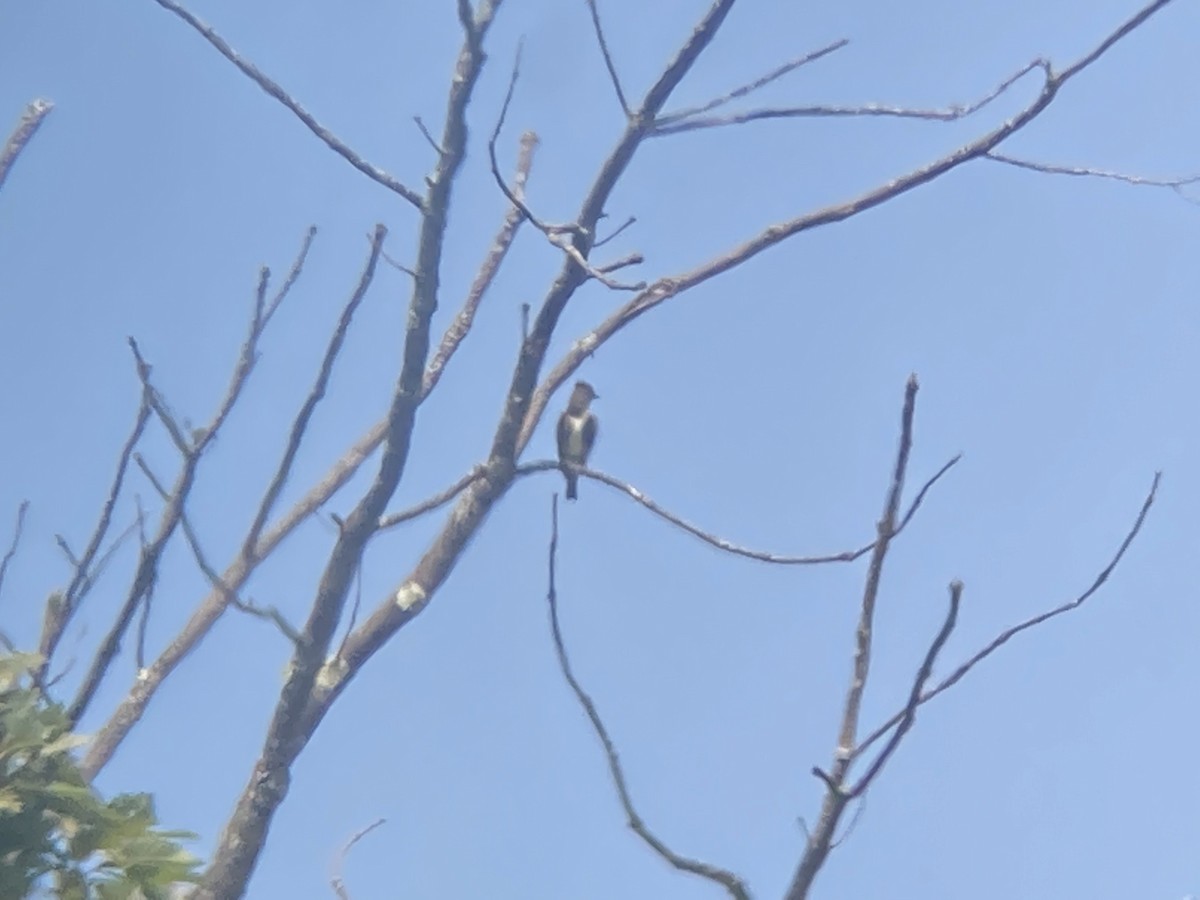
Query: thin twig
pixel 439 499
pixel 428 137
pixel 1009 633
pixel 324 134
pixel 854 820
pixel 354 608
pixel 293 276
pixel 396 264
pixel 315 395
pixel 1175 184
pixel 457 331
pixel 31 120
pixel 179 436
pixel 55 621
pixel 678 123
pixel 914 697
pixel 18 528
pixel 604 240
pixel 563 237
pixel 143 545
pixel 754 85
pixel 270 614
pixel 339 862
pixel 732 884
pixel 631 259
pixel 608 62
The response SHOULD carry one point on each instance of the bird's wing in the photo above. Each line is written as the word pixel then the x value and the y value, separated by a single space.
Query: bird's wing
pixel 564 436
pixel 591 427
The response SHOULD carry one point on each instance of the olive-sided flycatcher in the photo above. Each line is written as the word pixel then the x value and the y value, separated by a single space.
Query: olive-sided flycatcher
pixel 576 433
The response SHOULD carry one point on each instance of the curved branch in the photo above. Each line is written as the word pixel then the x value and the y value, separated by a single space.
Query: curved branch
pixel 1175 184
pixel 726 879
pixel 336 881
pixel 721 543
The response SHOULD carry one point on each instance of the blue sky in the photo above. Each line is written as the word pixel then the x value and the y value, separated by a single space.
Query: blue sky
pixel 1052 322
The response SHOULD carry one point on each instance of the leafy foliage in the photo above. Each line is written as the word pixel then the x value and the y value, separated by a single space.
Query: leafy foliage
pixel 57 835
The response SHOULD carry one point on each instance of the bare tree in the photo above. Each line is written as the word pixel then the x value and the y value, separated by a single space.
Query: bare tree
pixel 322 667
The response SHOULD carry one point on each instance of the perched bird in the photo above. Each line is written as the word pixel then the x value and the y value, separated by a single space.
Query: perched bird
pixel 576 433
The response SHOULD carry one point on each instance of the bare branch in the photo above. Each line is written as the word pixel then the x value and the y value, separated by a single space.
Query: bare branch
pixel 666 288
pixel 324 134
pixel 57 617
pixel 395 264
pixel 428 137
pixel 751 87
pixel 339 863
pixel 726 879
pixel 820 840
pixel 192 448
pixel 563 237
pixel 130 710
pixel 602 241
pixel 631 259
pixel 437 500
pixel 886 531
pixel 914 698
pixel 144 580
pixel 143 543
pixel 158 403
pixel 242 839
pixel 31 120
pixel 289 282
pixel 270 614
pixel 461 326
pixel 608 62
pixel 1175 184
pixel 721 543
pixel 1105 45
pixel 466 17
pixel 680 122
pixel 1009 633
pixel 18 528
pixel 315 395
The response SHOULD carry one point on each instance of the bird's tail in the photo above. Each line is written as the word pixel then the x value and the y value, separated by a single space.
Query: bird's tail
pixel 572 485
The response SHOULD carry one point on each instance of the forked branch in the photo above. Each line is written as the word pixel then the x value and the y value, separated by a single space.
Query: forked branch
pixel 1009 633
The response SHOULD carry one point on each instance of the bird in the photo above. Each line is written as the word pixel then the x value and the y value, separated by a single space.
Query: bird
pixel 577 428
